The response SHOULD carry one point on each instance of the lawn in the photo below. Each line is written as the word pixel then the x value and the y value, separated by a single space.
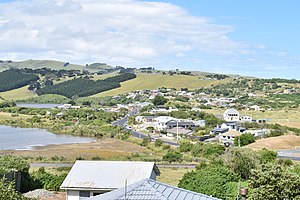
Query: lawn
pixel 155 81
pixel 17 94
pixel 172 176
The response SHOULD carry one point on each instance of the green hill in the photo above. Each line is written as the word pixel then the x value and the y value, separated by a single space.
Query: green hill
pixel 57 65
pixel 155 81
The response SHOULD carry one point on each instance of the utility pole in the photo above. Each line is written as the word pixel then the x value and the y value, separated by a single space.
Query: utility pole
pixel 177 132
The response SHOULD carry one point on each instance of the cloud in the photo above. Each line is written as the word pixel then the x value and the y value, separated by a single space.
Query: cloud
pixel 126 31
pixel 129 33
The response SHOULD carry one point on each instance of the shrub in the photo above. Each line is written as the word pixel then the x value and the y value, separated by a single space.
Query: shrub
pixel 158 143
pixel 210 180
pixel 173 156
pixel 267 156
pixel 185 146
pixel 7 191
pixel 245 139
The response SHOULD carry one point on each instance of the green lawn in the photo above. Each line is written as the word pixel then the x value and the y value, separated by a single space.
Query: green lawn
pixel 17 94
pixel 155 81
pixel 172 176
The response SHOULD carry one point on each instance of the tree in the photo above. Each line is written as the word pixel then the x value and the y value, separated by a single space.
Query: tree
pixel 173 156
pixel 159 100
pixel 241 161
pixel 272 181
pixel 245 139
pixel 211 180
pixel 7 191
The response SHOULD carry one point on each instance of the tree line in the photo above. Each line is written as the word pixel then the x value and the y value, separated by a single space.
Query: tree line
pixel 14 78
pixel 83 87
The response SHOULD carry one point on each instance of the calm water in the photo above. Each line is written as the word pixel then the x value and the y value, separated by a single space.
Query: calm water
pixel 37 105
pixel 28 138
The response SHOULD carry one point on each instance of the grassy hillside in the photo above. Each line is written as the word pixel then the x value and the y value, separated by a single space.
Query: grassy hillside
pixel 17 94
pixel 50 64
pixel 154 81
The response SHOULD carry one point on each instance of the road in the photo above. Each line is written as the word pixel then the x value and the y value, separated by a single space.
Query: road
pixel 122 122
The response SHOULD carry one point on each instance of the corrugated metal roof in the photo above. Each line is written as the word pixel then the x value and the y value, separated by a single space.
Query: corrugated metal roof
pixel 149 189
pixel 107 174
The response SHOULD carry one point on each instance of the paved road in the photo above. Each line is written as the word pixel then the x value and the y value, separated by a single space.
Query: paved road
pixel 124 120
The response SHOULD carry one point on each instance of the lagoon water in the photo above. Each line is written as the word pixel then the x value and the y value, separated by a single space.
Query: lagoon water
pixel 27 138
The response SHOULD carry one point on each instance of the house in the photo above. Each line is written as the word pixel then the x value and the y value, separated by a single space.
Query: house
pixel 231 115
pixel 144 119
pixel 258 133
pixel 160 122
pixel 246 119
pixel 180 123
pixel 91 178
pixel 228 137
pixel 181 132
pixel 150 189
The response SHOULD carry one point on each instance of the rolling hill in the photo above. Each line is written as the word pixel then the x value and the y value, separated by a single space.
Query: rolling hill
pixel 155 81
pixel 57 65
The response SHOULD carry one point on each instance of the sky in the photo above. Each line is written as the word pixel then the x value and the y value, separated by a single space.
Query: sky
pixel 255 38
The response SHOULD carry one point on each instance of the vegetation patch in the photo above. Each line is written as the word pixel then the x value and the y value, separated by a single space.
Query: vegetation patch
pixel 13 79
pixel 82 87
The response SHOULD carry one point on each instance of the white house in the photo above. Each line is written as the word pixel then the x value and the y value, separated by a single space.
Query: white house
pixel 228 137
pixel 231 115
pixel 246 119
pixel 160 123
pixel 91 178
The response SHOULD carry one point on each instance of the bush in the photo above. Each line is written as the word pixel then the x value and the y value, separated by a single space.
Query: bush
pixel 245 139
pixel 185 146
pixel 274 182
pixel 267 156
pixel 7 191
pixel 48 181
pixel 158 143
pixel 207 150
pixel 166 147
pixel 210 180
pixel 146 141
pixel 173 156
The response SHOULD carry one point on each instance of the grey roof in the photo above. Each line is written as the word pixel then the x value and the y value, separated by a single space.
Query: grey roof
pixel 180 123
pixel 152 190
pixel 231 111
pixel 101 175
pixel 180 130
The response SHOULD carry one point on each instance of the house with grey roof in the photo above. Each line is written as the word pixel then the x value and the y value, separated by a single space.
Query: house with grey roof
pixel 91 178
pixel 148 189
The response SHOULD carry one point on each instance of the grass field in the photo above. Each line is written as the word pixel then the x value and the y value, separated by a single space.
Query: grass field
pixel 277 143
pixel 172 176
pixel 17 94
pixel 155 81
pixel 289 118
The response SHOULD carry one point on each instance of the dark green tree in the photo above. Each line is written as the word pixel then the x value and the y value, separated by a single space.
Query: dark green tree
pixel 211 180
pixel 159 100
pixel 273 181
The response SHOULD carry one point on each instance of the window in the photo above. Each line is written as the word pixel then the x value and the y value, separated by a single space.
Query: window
pixel 84 193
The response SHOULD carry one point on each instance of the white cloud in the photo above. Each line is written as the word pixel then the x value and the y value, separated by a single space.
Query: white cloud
pixel 117 31
pixel 130 33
